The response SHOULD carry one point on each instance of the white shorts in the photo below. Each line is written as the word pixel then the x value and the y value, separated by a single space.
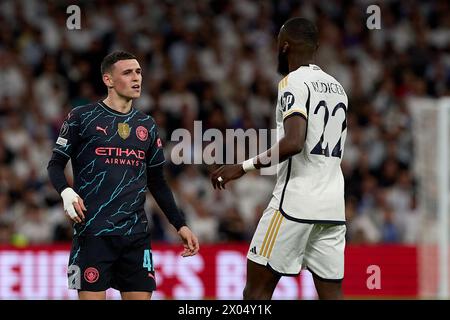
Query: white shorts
pixel 287 246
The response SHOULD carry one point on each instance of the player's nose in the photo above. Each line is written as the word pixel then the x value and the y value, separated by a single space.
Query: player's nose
pixel 136 77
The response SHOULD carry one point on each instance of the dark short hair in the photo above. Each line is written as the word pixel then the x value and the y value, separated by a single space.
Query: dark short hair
pixel 112 58
pixel 301 29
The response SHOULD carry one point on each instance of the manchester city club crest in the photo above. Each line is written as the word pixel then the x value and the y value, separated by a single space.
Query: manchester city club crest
pixel 123 130
pixel 142 133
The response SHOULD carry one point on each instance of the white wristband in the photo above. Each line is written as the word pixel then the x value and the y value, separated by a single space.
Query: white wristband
pixel 248 165
pixel 69 196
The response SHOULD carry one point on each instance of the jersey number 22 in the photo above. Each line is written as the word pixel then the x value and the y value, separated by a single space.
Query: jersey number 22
pixel 337 150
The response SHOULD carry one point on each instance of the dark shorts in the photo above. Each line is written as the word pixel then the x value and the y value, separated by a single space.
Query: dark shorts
pixel 98 263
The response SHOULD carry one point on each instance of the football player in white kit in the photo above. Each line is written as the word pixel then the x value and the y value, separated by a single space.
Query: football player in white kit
pixel 304 223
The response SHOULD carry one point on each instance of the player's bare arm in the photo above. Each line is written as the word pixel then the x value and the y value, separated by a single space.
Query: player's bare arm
pixel 291 144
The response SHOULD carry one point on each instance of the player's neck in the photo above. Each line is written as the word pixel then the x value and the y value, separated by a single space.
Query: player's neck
pixel 297 61
pixel 118 104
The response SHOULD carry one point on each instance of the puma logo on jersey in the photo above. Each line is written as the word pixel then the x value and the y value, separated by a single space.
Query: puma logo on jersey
pixel 253 250
pixel 101 129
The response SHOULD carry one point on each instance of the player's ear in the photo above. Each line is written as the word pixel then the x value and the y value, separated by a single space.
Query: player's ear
pixel 107 80
pixel 285 47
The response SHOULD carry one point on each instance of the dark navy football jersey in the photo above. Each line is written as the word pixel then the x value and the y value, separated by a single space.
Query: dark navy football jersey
pixel 110 153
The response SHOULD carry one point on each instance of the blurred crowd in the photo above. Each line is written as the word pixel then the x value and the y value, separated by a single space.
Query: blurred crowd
pixel 215 61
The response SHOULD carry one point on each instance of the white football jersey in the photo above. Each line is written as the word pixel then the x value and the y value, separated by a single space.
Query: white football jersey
pixel 310 184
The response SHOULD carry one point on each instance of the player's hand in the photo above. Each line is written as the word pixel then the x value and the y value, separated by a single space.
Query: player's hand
pixel 190 242
pixel 220 177
pixel 73 205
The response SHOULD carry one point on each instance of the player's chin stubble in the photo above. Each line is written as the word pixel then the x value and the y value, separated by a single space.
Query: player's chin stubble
pixel 283 65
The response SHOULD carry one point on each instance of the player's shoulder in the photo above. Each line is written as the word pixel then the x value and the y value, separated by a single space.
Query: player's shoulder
pixel 293 80
pixel 146 120
pixel 338 87
pixel 329 77
pixel 79 110
pixel 143 117
pixel 298 77
pixel 319 77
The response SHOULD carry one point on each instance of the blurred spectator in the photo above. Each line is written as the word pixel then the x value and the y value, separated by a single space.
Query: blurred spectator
pixel 35 226
pixel 390 232
pixel 250 193
pixel 232 227
pixel 361 229
pixel 6 232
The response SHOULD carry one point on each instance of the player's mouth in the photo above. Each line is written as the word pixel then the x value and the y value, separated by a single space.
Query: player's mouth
pixel 136 87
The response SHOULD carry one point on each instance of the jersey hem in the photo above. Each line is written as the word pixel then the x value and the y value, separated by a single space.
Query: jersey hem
pixel 310 221
pixel 91 234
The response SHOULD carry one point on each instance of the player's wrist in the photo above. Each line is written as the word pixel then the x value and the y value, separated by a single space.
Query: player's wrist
pixel 69 196
pixel 68 192
pixel 248 165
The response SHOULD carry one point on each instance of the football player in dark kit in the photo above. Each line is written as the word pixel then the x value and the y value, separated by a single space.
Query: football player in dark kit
pixel 116 156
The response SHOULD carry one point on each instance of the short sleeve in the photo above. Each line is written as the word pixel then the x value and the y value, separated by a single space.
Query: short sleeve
pixel 293 98
pixel 155 154
pixel 68 136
